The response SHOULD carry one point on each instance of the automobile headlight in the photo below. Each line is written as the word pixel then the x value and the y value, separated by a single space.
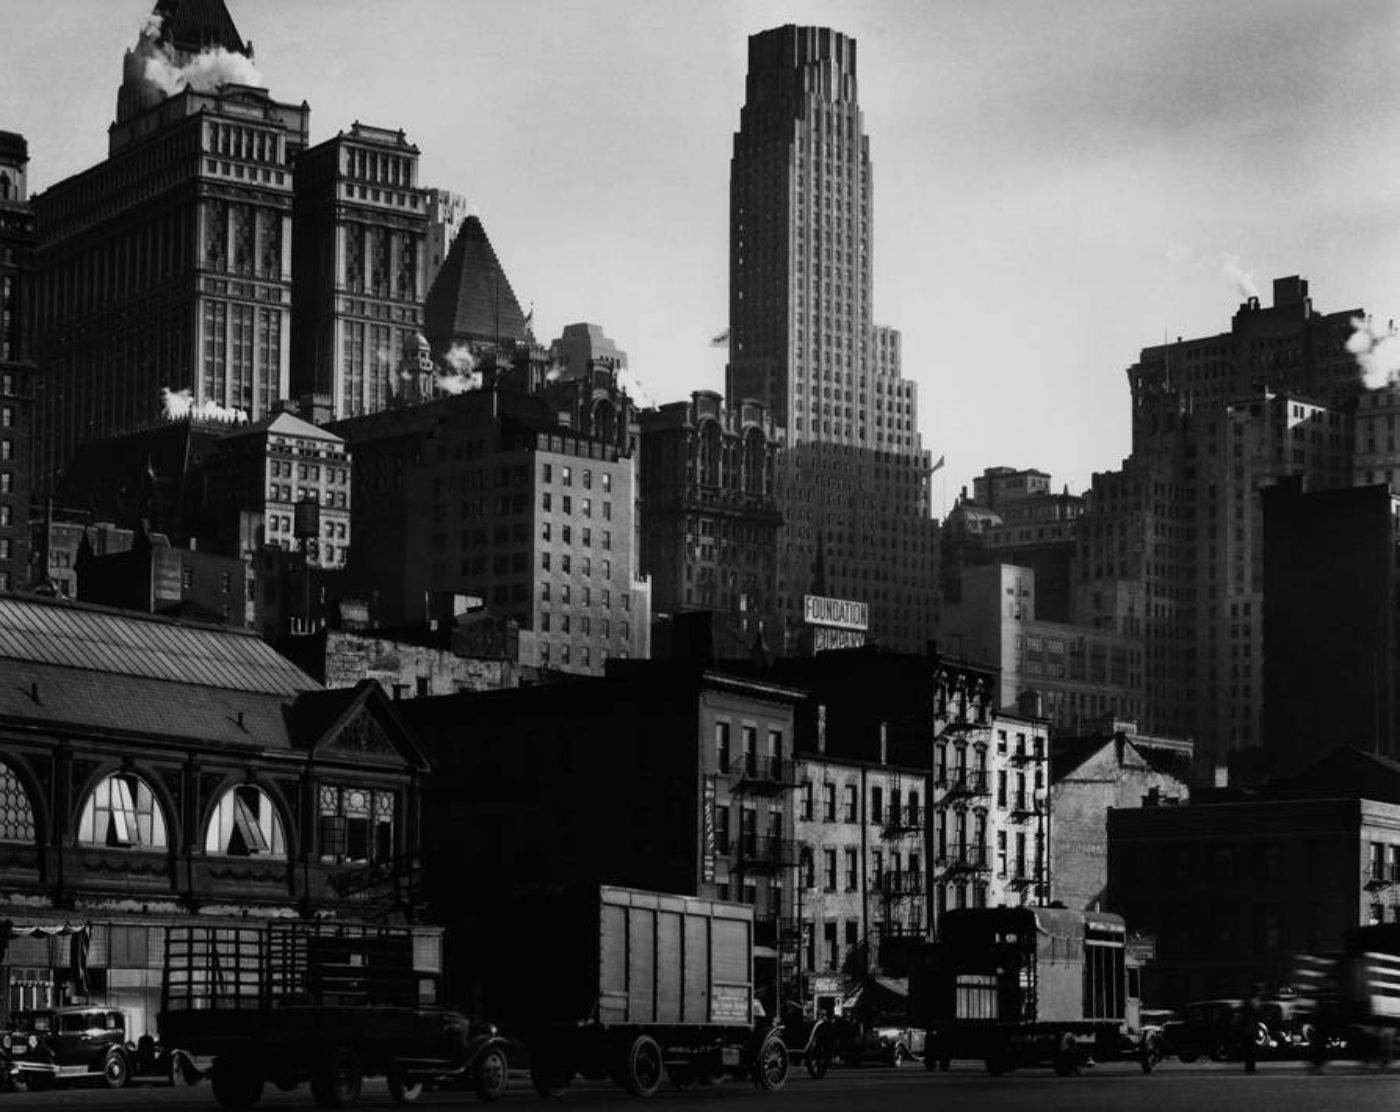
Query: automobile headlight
pixel 33 1041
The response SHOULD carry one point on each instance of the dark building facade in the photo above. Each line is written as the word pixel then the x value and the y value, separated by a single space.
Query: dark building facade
pixel 853 482
pixel 1330 623
pixel 155 773
pixel 1234 889
pixel 168 265
pixel 17 370
pixel 359 228
pixel 709 519
pixel 678 780
pixel 1171 546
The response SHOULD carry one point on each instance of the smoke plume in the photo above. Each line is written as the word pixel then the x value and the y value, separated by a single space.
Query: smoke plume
pixel 1377 350
pixel 459 358
pixel 211 68
pixel 1243 279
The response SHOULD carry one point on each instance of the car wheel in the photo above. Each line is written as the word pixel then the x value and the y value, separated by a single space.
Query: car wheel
pixel 771 1069
pixel 403 1089
pixel 115 1071
pixel 492 1075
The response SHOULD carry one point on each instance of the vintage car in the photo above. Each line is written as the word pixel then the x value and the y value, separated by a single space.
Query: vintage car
pixel 1213 1029
pixel 41 1047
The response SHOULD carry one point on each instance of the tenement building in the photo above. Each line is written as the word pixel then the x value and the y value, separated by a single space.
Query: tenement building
pixel 853 481
pixel 1171 546
pixel 709 518
pixel 169 263
pixel 358 267
pixel 17 370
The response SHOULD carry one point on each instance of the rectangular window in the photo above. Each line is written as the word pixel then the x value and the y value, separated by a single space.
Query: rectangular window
pixel 852 811
pixel 829 802
pixel 806 806
pixel 877 804
pixel 722 754
pixel 852 874
pixel 830 855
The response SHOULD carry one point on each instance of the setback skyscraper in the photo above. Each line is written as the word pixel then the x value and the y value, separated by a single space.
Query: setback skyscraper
pixel 853 481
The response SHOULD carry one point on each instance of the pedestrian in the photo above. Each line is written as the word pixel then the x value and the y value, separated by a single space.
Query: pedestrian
pixel 1250 1013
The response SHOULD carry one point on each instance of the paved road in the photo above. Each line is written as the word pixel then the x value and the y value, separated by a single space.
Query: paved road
pixel 1286 1087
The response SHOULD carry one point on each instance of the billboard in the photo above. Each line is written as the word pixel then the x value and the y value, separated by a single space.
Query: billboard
pixel 835 623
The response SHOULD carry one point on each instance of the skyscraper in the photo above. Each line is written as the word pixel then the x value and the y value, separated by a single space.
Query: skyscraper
pixel 853 482
pixel 169 263
pixel 358 268
pixel 16 362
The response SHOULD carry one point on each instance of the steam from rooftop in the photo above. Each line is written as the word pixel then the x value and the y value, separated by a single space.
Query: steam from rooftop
pixel 1377 350
pixel 179 405
pixel 207 71
pixel 1244 280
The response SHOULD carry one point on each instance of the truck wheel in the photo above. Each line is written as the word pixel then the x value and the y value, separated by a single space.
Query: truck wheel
pixel 337 1079
pixel 236 1085
pixel 404 1089
pixel 492 1075
pixel 183 1071
pixel 642 1069
pixel 115 1071
pixel 771 1069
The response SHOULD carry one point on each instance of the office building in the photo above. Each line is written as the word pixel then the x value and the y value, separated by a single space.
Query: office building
pixel 358 267
pixel 447 212
pixel 168 265
pixel 1171 546
pixel 17 369
pixel 709 519
pixel 853 480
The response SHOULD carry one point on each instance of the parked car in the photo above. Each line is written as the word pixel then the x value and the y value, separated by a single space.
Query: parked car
pixel 72 1043
pixel 1212 1029
pixel 894 1044
pixel 1290 1022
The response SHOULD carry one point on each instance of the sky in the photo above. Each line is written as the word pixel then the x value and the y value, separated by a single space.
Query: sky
pixel 1056 185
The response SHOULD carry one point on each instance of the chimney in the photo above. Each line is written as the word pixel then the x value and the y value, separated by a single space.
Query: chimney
pixel 884 744
pixel 821 727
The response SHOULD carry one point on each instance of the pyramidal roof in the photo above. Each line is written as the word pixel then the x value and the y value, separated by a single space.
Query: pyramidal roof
pixel 193 25
pixel 471 298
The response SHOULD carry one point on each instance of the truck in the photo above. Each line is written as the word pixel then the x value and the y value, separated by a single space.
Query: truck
pixel 1018 986
pixel 1353 997
pixel 288 1002
pixel 621 983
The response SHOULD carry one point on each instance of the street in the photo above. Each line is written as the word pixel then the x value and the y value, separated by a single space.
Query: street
pixel 1201 1088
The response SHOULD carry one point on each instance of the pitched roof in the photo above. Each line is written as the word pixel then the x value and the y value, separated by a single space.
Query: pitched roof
pixel 471 298
pixel 285 424
pixel 193 25
pixel 82 638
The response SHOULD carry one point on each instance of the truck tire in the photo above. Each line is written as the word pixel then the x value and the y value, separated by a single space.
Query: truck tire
pixel 642 1067
pixel 771 1069
pixel 404 1089
pixel 116 1071
pixel 337 1079
pixel 236 1084
pixel 492 1075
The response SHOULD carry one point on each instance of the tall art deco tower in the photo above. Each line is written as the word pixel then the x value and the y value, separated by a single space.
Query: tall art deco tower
pixel 853 481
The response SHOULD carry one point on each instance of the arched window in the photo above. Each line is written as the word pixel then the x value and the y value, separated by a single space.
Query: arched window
pixel 246 824
pixel 122 812
pixel 16 813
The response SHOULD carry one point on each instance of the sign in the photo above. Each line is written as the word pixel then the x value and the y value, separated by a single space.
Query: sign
pixel 838 612
pixel 707 811
pixel 730 1003
pixel 824 637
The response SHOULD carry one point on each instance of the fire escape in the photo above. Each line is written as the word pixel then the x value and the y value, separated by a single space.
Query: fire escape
pixel 901 891
pixel 764 854
pixel 962 858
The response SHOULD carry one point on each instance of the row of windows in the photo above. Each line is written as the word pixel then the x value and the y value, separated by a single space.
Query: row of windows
pixel 566 477
pixel 566 505
pixel 122 812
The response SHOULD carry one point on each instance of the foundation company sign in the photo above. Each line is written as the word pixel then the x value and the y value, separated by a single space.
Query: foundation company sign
pixel 835 623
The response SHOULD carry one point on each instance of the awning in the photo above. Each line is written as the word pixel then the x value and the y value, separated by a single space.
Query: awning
pixel 882 996
pixel 81 934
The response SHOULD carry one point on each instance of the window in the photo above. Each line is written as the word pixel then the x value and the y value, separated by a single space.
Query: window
pixel 829 802
pixel 246 824
pixel 122 812
pixel 722 745
pixel 16 812
pixel 851 803
pixel 877 804
pixel 357 824
pixel 806 805
pixel 852 873
pixel 830 855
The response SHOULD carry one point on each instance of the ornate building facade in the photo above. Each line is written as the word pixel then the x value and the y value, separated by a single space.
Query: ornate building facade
pixel 709 518
pixel 169 263
pixel 154 773
pixel 360 223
